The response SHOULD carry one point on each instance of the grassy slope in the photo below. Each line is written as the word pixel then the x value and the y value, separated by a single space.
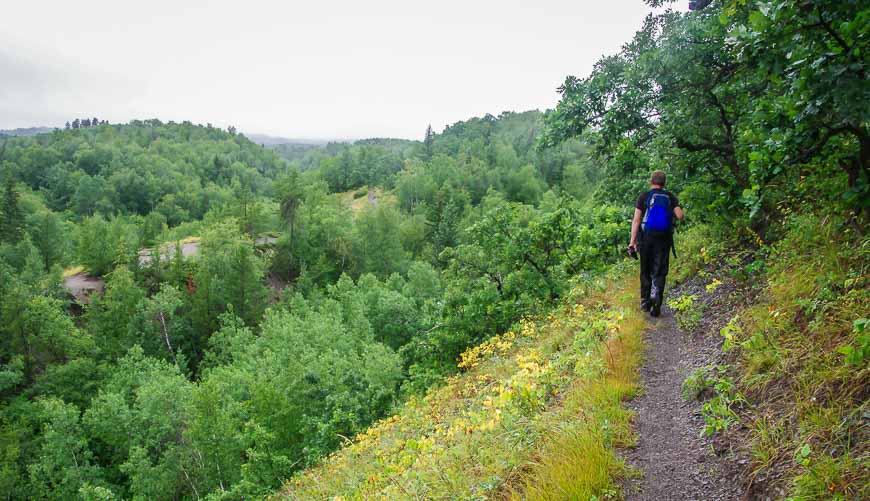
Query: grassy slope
pixel 536 412
pixel 808 397
pixel 357 200
pixel 797 378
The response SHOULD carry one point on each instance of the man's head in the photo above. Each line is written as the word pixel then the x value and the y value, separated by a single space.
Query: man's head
pixel 658 179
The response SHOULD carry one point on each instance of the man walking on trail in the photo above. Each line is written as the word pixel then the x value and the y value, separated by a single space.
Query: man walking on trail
pixel 654 215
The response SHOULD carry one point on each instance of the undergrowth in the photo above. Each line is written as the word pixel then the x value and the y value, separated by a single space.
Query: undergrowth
pixel 687 311
pixel 535 415
pixel 799 378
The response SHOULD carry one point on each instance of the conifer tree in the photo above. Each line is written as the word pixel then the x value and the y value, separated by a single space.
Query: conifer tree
pixel 428 141
pixel 11 216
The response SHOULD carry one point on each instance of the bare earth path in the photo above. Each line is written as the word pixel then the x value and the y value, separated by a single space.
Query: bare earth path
pixel 674 462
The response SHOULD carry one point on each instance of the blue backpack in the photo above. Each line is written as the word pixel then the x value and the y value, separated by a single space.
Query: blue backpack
pixel 659 213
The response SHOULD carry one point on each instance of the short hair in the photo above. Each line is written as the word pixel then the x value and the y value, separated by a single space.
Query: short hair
pixel 658 177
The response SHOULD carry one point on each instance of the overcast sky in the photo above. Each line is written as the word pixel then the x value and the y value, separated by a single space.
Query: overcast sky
pixel 313 69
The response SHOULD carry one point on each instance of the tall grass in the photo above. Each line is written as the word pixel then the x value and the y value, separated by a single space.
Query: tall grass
pixel 577 460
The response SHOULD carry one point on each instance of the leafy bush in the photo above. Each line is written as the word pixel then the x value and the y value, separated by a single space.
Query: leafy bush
pixel 687 310
pixel 698 382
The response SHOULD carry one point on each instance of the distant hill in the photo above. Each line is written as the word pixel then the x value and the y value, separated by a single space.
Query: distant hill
pixel 267 140
pixel 178 170
pixel 28 131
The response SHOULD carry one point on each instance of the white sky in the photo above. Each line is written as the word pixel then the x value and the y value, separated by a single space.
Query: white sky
pixel 315 69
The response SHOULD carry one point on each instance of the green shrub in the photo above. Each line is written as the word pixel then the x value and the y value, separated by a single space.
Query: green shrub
pixel 699 381
pixel 687 311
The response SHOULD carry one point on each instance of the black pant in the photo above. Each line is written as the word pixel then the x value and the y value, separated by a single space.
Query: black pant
pixel 654 260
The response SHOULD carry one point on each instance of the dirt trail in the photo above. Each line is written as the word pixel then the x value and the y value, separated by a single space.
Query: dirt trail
pixel 674 462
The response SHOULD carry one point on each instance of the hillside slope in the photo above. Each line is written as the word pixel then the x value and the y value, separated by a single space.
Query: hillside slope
pixel 755 386
pixel 537 410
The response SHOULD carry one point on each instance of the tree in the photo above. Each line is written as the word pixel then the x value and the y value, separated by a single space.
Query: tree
pixel 51 240
pixel 109 316
pixel 428 142
pixel 48 335
pixel 103 244
pixel 378 244
pixel 813 56
pixel 674 82
pixel 136 424
pixel 11 215
pixel 163 331
pixel 64 463
pixel 228 272
pixel 308 379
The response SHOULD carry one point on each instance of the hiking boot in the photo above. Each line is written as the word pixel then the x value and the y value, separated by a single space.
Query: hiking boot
pixel 656 310
pixel 645 306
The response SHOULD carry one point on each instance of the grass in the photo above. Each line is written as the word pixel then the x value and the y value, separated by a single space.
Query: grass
pixel 800 361
pixel 189 240
pixel 535 415
pixel 73 270
pixel 577 460
pixel 357 200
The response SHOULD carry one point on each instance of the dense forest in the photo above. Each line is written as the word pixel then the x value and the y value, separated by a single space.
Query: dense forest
pixel 227 370
pixel 332 284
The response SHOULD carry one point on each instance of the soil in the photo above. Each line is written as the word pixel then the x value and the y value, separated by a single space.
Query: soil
pixel 672 460
pixel 82 285
pixel 188 249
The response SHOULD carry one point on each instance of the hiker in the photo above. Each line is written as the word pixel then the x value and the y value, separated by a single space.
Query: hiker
pixel 654 215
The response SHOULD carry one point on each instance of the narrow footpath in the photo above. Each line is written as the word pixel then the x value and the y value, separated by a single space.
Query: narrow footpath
pixel 672 461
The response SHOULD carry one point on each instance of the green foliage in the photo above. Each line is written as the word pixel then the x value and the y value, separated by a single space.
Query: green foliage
pixel 110 314
pixel 719 412
pixel 377 241
pixel 308 379
pixel 136 423
pixel 857 354
pixel 699 381
pixel 104 244
pixel 800 356
pixel 162 329
pixel 181 170
pixel 11 215
pixel 736 102
pixel 64 462
pixel 228 272
pixel 687 311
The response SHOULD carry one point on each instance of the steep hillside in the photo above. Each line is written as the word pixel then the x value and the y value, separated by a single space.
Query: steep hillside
pixel 769 350
pixel 790 389
pixel 536 411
